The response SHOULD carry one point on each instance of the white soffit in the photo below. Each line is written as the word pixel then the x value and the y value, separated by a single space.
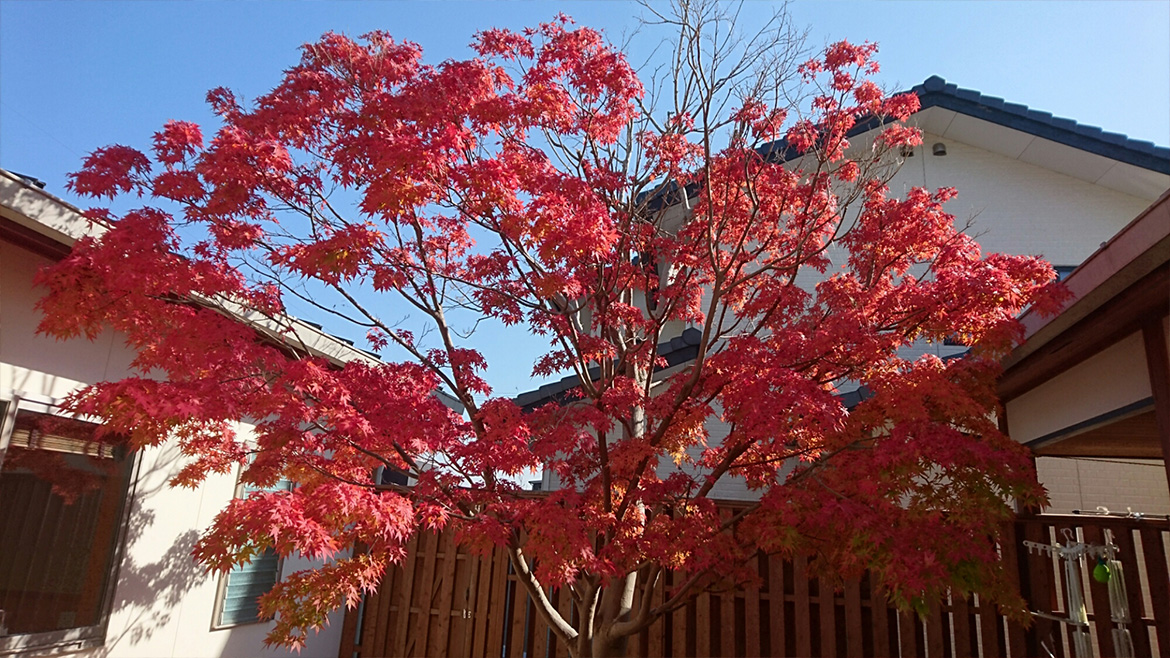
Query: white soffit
pixel 934 120
pixel 988 136
pixel 1067 160
pixel 1139 182
pixel 1089 167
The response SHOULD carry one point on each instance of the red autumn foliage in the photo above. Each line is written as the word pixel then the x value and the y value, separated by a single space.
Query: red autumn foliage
pixel 520 184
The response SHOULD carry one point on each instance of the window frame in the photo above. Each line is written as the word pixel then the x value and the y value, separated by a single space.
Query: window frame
pixel 217 623
pixel 82 637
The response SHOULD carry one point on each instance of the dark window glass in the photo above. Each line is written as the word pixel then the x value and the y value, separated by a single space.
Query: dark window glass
pixel 394 476
pixel 63 491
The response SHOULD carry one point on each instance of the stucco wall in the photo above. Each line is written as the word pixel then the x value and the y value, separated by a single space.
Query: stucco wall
pixel 163 602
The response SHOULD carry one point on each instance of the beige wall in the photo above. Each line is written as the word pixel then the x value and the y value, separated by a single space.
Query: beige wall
pixel 163 602
pixel 1108 380
pixel 1115 377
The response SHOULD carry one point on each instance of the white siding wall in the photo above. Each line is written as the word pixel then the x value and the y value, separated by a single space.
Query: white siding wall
pixel 1013 207
pixel 1082 484
pixel 163 602
pixel 1019 208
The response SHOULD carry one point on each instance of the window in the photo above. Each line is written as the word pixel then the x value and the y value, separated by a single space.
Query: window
pixel 64 493
pixel 240 590
pixel 387 475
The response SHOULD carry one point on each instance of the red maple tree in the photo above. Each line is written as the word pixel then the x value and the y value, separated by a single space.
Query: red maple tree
pixel 540 183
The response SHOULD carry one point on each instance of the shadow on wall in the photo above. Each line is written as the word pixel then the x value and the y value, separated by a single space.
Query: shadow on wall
pixel 148 594
pixel 158 575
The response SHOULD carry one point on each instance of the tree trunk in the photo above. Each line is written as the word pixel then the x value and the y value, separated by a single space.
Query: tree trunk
pixel 604 646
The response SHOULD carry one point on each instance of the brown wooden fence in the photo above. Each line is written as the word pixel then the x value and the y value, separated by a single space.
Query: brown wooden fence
pixel 443 601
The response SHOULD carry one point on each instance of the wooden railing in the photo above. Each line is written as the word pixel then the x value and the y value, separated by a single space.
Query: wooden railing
pixel 1144 551
pixel 443 601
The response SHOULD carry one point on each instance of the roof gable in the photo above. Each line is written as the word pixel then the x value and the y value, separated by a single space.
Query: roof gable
pixel 1131 166
pixel 937 92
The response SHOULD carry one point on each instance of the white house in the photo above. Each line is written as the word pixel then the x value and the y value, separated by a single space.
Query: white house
pixel 1028 183
pixel 110 573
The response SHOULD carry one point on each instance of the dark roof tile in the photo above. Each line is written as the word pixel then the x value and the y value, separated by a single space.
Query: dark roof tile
pixel 675 351
pixel 937 92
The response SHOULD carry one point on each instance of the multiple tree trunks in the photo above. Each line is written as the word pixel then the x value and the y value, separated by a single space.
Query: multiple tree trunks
pixel 443 601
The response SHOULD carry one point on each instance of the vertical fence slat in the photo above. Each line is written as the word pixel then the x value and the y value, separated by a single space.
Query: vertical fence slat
pixel 1038 592
pixel 426 587
pixel 907 634
pixel 1098 593
pixel 854 635
pixel 540 642
pixel 776 606
pixel 990 624
pixel 703 625
pixel 397 595
pixel 463 603
pixel 378 615
pixel 402 619
pixel 656 642
pixel 372 604
pixel 565 606
pixel 386 596
pixel 962 626
pixel 369 623
pixel 495 622
pixel 880 613
pixel 800 592
pixel 934 631
pixel 482 608
pixel 727 626
pixel 531 624
pixel 678 622
pixel 751 611
pixel 828 614
pixel 1123 537
pixel 557 649
pixel 440 640
pixel 348 630
pixel 1155 552
pixel 518 607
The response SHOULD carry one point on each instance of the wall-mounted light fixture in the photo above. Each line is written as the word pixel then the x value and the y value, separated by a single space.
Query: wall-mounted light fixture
pixel 939 148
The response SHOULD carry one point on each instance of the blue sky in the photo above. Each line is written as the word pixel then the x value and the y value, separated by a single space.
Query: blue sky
pixel 78 75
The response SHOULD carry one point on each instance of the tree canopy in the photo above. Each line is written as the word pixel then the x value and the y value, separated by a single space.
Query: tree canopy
pixel 544 183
